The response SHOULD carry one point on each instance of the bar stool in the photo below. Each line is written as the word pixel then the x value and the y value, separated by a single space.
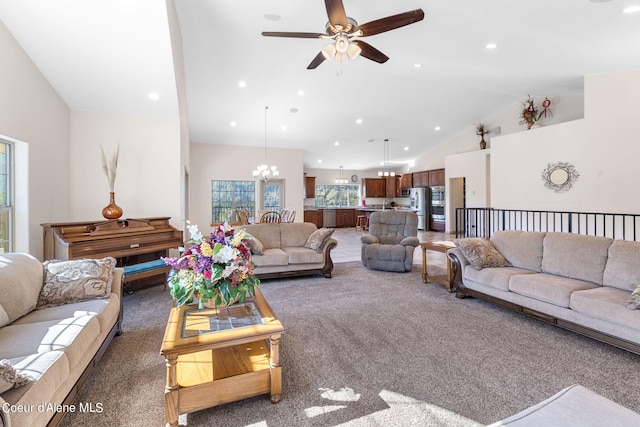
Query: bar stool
pixel 362 222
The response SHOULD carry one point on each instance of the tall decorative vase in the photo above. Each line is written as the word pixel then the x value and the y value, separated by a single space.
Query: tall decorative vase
pixel 112 211
pixel 483 143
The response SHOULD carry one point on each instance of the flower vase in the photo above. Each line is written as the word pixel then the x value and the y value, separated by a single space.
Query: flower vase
pixel 483 143
pixel 112 211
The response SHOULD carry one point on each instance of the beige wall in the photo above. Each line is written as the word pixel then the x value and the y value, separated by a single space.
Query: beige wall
pixel 229 162
pixel 149 170
pixel 33 115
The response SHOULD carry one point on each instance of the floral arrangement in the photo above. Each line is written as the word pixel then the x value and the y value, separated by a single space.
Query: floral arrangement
pixel 530 112
pixel 218 268
pixel 480 130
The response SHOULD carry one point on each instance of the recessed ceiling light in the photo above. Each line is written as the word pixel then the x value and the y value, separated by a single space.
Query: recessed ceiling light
pixel 336 143
pixel 301 92
pixel 319 160
pixel 631 9
pixel 154 96
pixel 417 65
pixel 491 46
pixel 406 148
pixel 283 128
pixel 242 84
pixel 359 121
pixel 293 110
pixel 272 17
pixel 437 128
pixel 233 123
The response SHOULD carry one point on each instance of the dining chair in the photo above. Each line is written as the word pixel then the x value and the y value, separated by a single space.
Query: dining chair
pixel 292 215
pixel 273 217
pixel 284 215
pixel 243 216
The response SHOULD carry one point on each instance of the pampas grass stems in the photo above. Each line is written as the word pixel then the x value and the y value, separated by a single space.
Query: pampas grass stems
pixel 110 167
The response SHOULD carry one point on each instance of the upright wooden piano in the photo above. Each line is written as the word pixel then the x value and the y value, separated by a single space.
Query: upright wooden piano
pixel 136 244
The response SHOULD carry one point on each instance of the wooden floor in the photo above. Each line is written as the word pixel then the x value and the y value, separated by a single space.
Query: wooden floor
pixel 349 246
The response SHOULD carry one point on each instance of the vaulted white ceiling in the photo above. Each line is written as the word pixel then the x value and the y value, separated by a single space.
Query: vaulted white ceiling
pixel 107 56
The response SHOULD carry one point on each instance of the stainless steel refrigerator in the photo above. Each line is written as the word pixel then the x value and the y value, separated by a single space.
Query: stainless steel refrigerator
pixel 420 205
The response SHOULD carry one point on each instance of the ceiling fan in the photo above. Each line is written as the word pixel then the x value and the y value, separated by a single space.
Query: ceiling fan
pixel 344 31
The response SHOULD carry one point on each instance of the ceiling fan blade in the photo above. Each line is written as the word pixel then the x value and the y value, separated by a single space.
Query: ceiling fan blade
pixel 293 34
pixel 319 59
pixel 391 22
pixel 336 12
pixel 371 52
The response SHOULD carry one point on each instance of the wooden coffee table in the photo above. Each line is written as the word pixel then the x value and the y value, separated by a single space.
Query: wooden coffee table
pixel 215 356
pixel 440 246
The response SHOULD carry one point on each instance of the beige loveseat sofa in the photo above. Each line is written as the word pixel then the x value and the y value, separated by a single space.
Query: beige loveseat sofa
pixel 50 340
pixel 577 282
pixel 283 249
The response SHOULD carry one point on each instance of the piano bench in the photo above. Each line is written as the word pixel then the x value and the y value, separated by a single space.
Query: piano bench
pixel 145 270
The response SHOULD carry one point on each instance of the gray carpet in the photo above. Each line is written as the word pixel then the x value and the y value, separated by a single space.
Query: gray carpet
pixel 370 348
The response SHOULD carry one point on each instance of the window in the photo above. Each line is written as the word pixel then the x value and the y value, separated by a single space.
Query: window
pixel 273 195
pixel 338 195
pixel 227 196
pixel 6 198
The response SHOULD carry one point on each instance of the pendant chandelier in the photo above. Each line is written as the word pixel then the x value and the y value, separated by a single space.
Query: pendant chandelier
pixel 264 171
pixel 341 179
pixel 385 163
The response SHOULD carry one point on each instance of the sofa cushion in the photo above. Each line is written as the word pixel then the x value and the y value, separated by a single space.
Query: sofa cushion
pixel 295 234
pixel 522 249
pixel 317 239
pixel 495 277
pixel 298 255
pixel 20 284
pixel 11 378
pixel 268 234
pixel 555 290
pixel 623 265
pixel 575 256
pixel 67 282
pixel 606 303
pixel 274 256
pixel 481 253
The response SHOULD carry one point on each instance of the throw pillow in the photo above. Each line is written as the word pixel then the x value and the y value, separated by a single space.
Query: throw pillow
pixel 255 245
pixel 634 301
pixel 481 253
pixel 67 282
pixel 316 240
pixel 10 378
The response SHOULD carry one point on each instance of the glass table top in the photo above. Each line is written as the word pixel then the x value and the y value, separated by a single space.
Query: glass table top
pixel 211 320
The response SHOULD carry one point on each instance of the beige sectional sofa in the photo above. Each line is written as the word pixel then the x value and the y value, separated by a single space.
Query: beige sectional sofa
pixel 283 249
pixel 577 282
pixel 56 346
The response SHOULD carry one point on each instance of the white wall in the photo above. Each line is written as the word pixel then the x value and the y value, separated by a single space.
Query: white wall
pixel 33 113
pixel 230 162
pixel 603 147
pixel 149 169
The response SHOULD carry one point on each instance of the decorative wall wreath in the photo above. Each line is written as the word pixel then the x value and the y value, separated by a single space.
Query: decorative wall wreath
pixel 560 176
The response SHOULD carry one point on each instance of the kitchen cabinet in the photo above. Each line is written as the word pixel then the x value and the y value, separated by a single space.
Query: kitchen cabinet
pixel 314 216
pixel 345 218
pixel 436 177
pixel 391 186
pixel 309 187
pixel 406 181
pixel 421 179
pixel 374 187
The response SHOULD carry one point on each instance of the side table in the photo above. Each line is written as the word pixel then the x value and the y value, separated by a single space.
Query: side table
pixel 438 246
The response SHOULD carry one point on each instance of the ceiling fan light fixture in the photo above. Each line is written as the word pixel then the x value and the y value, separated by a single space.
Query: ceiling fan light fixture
pixel 353 51
pixel 329 51
pixel 342 58
pixel 342 44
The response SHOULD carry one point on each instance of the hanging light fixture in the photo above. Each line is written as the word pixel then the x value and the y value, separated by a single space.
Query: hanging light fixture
pixel 385 163
pixel 264 171
pixel 341 180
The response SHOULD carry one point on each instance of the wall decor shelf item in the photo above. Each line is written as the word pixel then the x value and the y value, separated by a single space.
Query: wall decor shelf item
pixel 560 176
